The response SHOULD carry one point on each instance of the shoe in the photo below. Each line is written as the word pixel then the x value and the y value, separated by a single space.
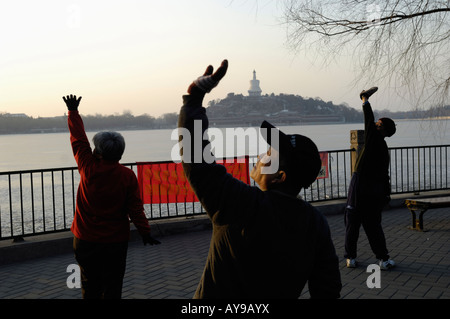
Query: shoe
pixel 368 93
pixel 351 263
pixel 388 264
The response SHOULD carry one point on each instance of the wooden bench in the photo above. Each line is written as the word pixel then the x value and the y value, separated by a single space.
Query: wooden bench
pixel 422 205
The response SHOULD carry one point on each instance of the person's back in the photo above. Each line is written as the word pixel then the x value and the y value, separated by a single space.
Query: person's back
pixel 373 160
pixel 372 164
pixel 108 192
pixel 106 189
pixel 273 254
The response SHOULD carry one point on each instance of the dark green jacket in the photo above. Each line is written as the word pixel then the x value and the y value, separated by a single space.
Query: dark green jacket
pixel 263 244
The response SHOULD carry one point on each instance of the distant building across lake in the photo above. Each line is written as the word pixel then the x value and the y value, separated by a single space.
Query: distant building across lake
pixel 254 90
pixel 251 110
pixel 15 115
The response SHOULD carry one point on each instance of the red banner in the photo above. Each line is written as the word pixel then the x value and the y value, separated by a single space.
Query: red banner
pixel 165 182
pixel 323 173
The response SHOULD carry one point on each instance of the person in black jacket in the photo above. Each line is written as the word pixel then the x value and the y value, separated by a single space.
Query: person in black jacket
pixel 266 242
pixel 370 188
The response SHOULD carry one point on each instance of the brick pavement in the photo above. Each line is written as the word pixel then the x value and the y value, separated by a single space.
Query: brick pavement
pixel 172 270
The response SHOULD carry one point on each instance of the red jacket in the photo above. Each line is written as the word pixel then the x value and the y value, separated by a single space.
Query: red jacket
pixel 108 194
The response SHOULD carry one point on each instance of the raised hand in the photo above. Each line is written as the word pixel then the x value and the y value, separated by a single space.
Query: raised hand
pixel 72 102
pixel 208 81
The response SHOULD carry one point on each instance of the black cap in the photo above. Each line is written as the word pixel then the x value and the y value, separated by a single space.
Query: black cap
pixel 298 152
pixel 389 126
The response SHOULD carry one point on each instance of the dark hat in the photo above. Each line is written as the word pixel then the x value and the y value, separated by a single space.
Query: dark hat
pixel 297 152
pixel 389 126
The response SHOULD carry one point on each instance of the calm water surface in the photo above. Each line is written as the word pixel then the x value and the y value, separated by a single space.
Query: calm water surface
pixel 36 151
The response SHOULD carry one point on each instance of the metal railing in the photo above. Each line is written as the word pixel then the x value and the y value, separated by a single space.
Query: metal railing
pixel 43 201
pixel 335 185
pixel 418 169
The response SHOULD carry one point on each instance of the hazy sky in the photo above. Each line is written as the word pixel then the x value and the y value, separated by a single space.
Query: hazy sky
pixel 141 56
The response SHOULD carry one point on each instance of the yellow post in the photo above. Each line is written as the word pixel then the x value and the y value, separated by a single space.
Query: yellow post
pixel 356 143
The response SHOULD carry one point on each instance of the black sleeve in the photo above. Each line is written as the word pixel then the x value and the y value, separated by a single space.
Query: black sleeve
pixel 325 280
pixel 225 198
pixel 369 121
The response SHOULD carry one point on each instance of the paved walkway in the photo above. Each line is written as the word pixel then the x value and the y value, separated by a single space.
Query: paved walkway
pixel 172 269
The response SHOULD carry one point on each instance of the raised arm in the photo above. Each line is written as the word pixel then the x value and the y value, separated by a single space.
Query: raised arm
pixel 80 144
pixel 193 111
pixel 369 118
pixel 217 190
pixel 193 115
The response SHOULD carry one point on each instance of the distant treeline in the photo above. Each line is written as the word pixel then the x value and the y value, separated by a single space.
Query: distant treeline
pixel 15 124
pixel 232 106
pixel 434 112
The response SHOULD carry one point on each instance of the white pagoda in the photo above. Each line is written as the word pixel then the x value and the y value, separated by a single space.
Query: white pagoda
pixel 254 90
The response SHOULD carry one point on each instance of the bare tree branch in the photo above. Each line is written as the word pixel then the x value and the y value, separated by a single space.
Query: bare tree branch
pixel 404 42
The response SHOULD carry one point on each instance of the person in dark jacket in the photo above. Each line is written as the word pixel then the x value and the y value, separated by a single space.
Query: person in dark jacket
pixel 266 242
pixel 370 188
pixel 107 198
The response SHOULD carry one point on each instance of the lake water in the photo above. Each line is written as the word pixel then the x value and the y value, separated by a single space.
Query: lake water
pixel 37 151
pixel 32 203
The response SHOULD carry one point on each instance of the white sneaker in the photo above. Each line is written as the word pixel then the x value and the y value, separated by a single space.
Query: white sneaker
pixel 388 264
pixel 351 263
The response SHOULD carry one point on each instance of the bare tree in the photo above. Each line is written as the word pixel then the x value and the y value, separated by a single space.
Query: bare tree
pixel 403 42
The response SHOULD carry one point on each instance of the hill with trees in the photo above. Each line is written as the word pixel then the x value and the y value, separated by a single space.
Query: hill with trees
pixel 234 110
pixel 288 109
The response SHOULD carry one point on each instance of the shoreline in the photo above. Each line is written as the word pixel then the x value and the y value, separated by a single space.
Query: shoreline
pixel 55 130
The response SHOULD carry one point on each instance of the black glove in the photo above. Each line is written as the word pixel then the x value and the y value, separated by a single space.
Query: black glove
pixel 72 102
pixel 147 239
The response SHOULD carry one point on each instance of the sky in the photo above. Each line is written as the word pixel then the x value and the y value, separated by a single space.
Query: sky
pixel 140 56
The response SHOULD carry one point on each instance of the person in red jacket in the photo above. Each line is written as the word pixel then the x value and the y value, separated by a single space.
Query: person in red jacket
pixel 107 198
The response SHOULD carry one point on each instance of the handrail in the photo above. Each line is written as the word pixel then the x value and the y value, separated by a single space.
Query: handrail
pixel 40 201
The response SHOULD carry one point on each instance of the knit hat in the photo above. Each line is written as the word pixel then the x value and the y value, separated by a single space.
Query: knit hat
pixel 299 156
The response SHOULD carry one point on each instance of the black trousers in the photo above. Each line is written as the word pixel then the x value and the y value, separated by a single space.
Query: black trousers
pixel 369 216
pixel 102 268
pixel 371 222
